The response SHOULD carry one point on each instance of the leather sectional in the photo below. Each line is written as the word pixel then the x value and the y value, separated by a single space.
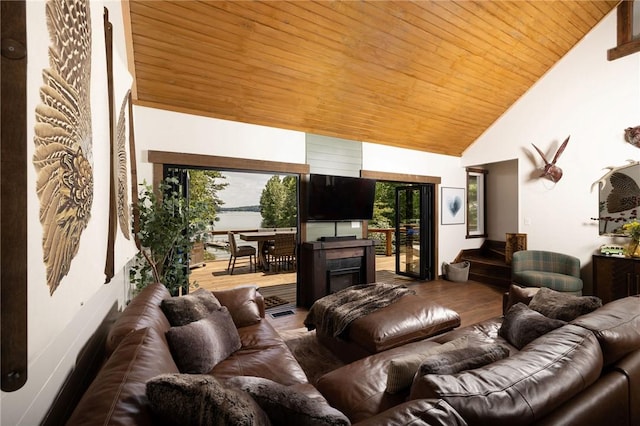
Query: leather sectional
pixel 585 372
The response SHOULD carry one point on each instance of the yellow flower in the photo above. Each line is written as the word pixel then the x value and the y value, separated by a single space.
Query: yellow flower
pixel 632 229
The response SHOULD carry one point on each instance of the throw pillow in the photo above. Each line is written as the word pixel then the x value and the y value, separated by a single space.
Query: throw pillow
pixel 200 399
pixel 197 347
pixel 522 325
pixel 286 406
pixel 562 306
pixel 182 310
pixel 403 368
pixel 462 359
pixel 242 304
pixel 519 294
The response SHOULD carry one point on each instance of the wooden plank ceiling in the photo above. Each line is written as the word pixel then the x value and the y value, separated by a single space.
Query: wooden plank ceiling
pixel 425 75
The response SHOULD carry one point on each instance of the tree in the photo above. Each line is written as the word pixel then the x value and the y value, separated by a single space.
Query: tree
pixel 384 208
pixel 204 186
pixel 278 204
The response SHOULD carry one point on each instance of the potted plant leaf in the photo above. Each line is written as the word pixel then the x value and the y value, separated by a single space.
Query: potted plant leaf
pixel 167 231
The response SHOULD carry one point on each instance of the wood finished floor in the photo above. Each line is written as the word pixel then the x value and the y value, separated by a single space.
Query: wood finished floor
pixel 472 300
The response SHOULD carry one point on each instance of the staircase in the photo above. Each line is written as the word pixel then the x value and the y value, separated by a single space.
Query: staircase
pixel 488 264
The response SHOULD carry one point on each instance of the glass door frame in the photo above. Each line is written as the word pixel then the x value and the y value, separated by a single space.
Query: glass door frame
pixel 426 232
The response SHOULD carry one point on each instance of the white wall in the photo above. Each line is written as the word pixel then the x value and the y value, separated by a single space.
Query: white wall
pixel 502 199
pixel 161 130
pixel 60 324
pixel 584 96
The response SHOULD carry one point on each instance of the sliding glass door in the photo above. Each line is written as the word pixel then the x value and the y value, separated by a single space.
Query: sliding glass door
pixel 415 236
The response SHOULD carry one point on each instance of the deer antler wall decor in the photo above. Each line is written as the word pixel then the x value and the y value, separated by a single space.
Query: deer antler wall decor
pixel 551 171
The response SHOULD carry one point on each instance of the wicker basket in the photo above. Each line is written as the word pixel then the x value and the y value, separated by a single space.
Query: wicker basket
pixel 458 272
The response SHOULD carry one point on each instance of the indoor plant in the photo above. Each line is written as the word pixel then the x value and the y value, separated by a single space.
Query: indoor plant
pixel 168 228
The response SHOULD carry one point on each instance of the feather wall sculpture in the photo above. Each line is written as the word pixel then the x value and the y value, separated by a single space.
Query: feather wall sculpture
pixel 63 140
pixel 122 195
pixel 551 171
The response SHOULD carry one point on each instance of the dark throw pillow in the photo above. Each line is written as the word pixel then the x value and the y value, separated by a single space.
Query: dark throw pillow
pixel 200 399
pixel 197 347
pixel 522 325
pixel 458 360
pixel 286 406
pixel 182 310
pixel 562 306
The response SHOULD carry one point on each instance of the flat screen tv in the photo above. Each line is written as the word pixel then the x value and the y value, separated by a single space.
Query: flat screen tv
pixel 339 198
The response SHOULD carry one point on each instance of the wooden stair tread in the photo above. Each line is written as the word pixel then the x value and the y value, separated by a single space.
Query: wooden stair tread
pixel 488 263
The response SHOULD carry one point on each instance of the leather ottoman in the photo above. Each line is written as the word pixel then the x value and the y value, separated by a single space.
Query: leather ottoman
pixel 410 318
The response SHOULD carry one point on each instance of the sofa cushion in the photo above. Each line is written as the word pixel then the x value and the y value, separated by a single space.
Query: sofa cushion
pixel 143 311
pixel 428 412
pixel 182 310
pixel 525 386
pixel 242 304
pixel 358 389
pixel 522 325
pixel 519 294
pixel 285 405
pixel 462 359
pixel 617 327
pixel 200 399
pixel 566 307
pixel 403 368
pixel 197 347
pixel 117 394
pixel 264 354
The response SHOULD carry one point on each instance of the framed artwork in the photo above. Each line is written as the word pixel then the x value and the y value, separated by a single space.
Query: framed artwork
pixel 452 206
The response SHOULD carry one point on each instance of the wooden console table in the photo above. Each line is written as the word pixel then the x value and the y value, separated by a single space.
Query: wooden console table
pixel 327 266
pixel 615 277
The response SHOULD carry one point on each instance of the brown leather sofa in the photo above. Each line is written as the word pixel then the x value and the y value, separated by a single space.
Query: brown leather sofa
pixel 586 372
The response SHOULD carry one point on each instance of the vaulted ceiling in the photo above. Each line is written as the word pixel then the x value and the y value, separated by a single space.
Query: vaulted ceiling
pixel 424 75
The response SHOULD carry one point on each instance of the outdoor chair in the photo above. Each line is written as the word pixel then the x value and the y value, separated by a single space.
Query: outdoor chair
pixel 537 268
pixel 283 251
pixel 240 251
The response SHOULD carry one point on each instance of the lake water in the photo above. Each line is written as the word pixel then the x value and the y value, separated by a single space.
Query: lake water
pixel 238 220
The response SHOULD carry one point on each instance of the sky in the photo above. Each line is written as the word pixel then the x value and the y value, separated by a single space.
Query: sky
pixel 244 189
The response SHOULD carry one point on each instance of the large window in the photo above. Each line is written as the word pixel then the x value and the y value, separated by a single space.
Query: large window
pixel 476 203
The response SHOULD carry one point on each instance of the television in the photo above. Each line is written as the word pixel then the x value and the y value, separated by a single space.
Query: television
pixel 339 198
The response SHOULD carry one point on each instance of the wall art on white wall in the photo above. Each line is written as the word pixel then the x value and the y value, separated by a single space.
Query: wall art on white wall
pixel 452 206
pixel 63 156
pixel 122 175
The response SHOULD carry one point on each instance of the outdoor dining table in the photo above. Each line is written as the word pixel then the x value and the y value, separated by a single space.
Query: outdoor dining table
pixel 262 237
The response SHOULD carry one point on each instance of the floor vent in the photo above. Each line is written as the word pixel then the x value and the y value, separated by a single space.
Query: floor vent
pixel 281 313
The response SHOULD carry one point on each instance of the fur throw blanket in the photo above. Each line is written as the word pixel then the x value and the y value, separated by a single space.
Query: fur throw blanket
pixel 333 313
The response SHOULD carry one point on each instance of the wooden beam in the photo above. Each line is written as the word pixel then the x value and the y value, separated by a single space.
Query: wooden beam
pixel 224 163
pixel 13 195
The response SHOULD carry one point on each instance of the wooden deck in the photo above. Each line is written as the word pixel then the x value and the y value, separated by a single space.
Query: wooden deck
pixel 214 275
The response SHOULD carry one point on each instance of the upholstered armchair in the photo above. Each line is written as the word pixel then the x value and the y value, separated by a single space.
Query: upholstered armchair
pixel 537 268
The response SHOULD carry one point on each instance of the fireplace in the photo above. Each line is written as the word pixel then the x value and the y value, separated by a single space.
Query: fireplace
pixel 343 273
pixel 325 267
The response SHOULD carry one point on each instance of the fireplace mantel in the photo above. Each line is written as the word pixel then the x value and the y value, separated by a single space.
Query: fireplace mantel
pixel 327 266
